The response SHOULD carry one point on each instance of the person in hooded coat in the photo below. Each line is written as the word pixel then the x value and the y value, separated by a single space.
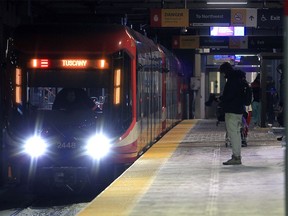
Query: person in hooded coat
pixel 233 106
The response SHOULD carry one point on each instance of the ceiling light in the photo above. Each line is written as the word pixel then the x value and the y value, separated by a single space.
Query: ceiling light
pixel 211 2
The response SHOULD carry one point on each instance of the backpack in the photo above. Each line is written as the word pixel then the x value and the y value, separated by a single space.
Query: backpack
pixel 246 92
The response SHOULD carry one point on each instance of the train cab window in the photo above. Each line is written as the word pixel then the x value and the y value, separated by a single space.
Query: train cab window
pixel 42 98
pixel 52 98
pixel 69 99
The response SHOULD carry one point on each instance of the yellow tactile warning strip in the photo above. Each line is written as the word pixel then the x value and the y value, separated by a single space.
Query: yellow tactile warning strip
pixel 120 197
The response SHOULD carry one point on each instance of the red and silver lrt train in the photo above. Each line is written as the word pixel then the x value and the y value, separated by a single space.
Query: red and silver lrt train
pixel 135 84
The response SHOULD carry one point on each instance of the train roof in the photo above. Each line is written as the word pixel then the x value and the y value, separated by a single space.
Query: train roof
pixel 78 39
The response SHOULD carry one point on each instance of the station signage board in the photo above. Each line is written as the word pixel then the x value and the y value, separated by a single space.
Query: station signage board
pixel 215 42
pixel 265 42
pixel 247 17
pixel 206 17
pixel 239 42
pixel 169 17
pixel 244 17
pixel 232 42
pixel 270 18
pixel 185 42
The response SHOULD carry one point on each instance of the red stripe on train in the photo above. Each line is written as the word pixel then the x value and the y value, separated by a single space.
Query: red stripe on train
pixel 125 154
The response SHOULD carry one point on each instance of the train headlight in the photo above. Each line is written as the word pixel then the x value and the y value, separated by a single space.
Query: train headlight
pixel 98 146
pixel 35 146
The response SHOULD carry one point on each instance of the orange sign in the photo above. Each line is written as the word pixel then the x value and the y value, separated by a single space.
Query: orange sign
pixel 238 42
pixel 186 42
pixel 238 17
pixel 169 17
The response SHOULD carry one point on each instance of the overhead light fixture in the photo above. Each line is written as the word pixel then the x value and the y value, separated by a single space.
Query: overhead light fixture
pixel 240 2
pixel 184 30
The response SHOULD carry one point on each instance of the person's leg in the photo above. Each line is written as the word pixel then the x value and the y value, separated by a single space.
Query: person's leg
pixel 233 125
pixel 254 113
pixel 258 113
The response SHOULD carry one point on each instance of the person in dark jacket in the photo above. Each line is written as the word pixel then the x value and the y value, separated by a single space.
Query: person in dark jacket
pixel 233 106
pixel 280 116
pixel 256 109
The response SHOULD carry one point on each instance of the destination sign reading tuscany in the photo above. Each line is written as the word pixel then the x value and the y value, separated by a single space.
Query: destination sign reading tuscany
pixel 68 63
pixel 74 63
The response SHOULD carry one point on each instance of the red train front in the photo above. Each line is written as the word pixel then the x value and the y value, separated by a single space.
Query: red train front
pixel 126 90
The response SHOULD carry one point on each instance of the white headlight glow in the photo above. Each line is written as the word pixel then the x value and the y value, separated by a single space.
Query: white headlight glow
pixel 98 146
pixel 35 146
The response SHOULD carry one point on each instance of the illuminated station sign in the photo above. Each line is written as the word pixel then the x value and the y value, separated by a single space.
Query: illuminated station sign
pixel 74 63
pixel 69 63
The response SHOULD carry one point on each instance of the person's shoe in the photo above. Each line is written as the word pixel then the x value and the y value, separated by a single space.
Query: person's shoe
pixel 280 138
pixel 211 98
pixel 244 144
pixel 233 161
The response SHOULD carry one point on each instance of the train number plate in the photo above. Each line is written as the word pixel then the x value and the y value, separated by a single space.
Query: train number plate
pixel 67 145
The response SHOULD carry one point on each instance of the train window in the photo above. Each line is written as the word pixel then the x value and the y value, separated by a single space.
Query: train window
pixel 45 84
pixel 42 98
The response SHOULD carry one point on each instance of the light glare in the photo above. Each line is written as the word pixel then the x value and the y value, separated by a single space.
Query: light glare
pixel 98 146
pixel 35 146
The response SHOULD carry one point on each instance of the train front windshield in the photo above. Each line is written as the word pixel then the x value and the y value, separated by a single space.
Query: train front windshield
pixel 48 89
pixel 72 101
pixel 48 79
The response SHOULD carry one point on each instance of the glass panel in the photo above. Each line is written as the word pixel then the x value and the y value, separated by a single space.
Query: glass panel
pixel 43 98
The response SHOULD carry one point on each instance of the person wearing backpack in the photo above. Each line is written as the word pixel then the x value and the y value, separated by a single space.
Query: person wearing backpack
pixel 234 107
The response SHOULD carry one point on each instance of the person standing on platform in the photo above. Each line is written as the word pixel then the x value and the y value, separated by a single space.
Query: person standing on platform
pixel 234 108
pixel 271 100
pixel 280 113
pixel 256 90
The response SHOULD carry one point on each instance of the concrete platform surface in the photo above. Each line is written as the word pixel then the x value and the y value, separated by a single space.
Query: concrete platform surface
pixel 182 174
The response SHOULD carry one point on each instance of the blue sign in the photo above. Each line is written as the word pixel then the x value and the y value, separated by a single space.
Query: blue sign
pixel 214 42
pixel 202 17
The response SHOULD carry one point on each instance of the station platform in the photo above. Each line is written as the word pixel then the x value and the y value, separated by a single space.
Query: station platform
pixel 182 174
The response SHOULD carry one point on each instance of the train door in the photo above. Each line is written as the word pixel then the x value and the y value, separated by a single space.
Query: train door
pixel 144 82
pixel 169 99
pixel 156 95
pixel 164 105
pixel 141 97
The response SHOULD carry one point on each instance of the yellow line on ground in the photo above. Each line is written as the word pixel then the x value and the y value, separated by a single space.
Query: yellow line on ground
pixel 120 197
